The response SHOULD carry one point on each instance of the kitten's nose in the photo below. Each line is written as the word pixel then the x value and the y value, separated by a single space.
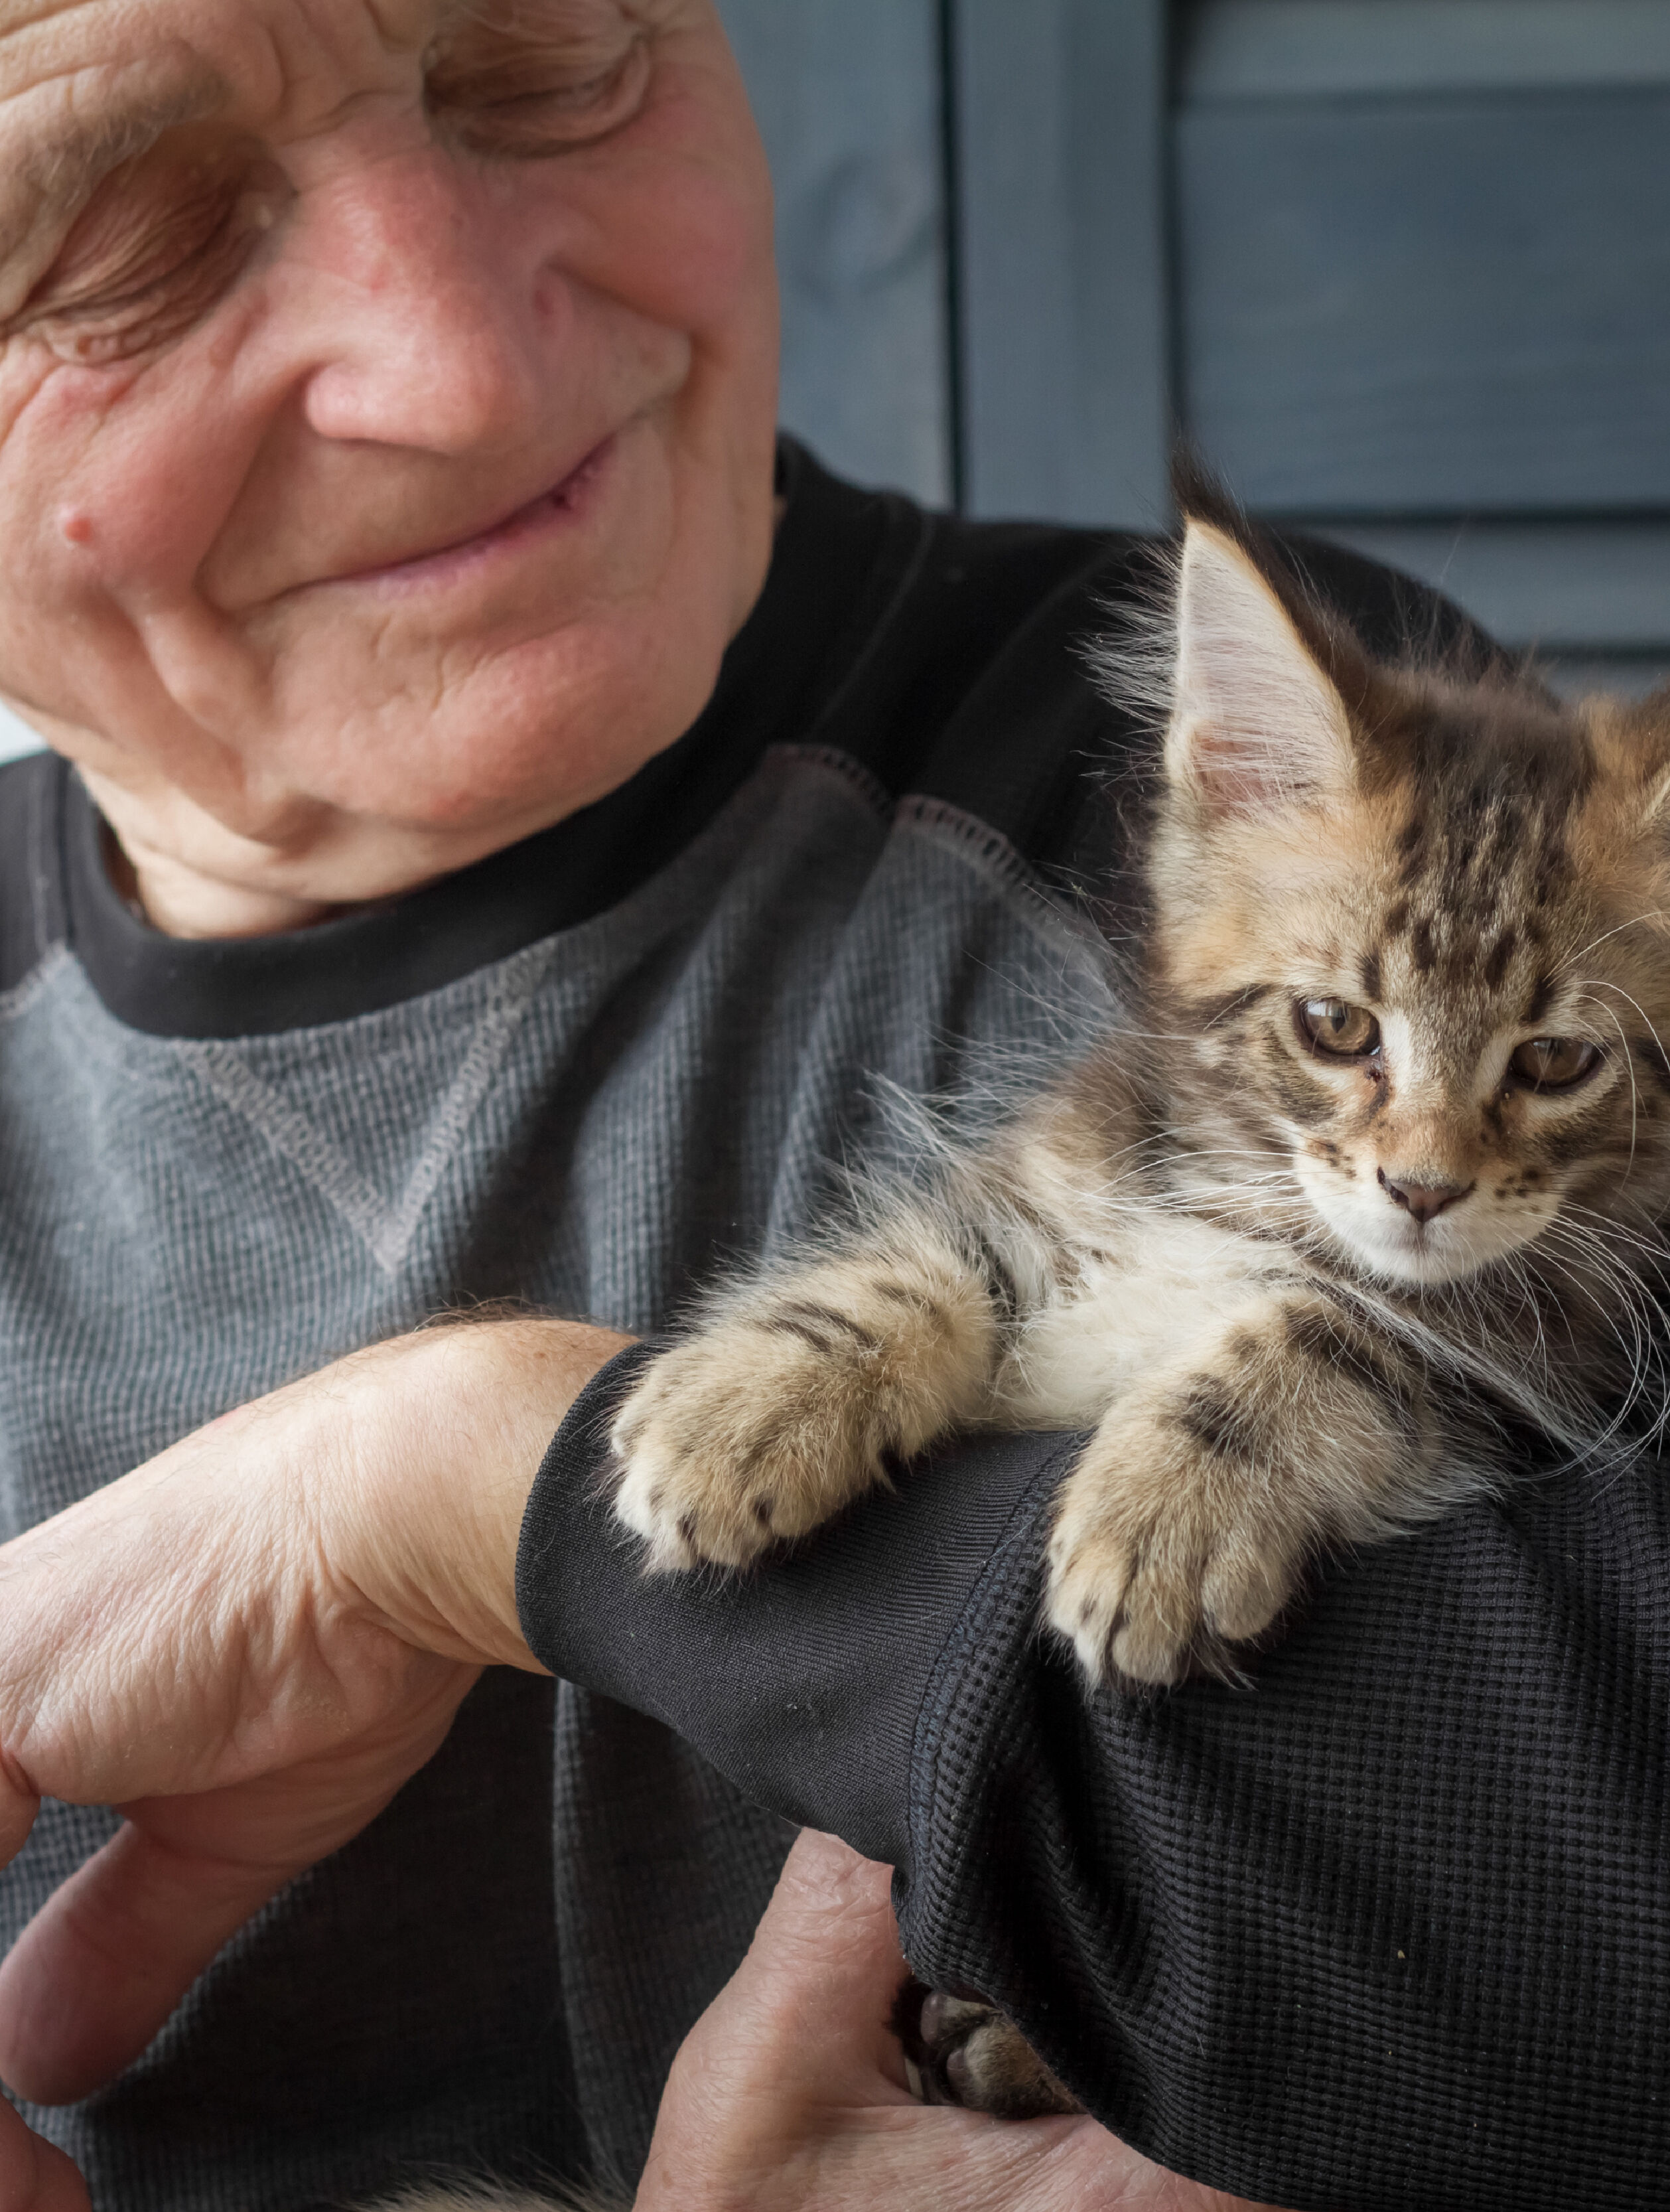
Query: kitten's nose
pixel 1424 1200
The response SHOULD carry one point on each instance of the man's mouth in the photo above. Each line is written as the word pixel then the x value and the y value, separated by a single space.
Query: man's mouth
pixel 559 503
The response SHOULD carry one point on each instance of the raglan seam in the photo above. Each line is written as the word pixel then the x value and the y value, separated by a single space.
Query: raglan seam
pixel 17 1001
pixel 864 781
pixel 992 856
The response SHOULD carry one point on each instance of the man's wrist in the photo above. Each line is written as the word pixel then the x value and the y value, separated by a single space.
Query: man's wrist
pixel 449 1426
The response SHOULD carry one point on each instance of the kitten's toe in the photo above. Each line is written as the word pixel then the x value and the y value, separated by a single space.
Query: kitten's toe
pixel 683 1450
pixel 1121 1613
pixel 1243 1591
pixel 640 1502
pixel 1157 1634
pixel 965 2053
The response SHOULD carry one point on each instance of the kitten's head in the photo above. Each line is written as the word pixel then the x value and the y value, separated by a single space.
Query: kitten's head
pixel 1413 931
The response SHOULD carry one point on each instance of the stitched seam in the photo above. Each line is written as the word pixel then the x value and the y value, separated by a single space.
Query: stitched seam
pixel 992 855
pixel 386 1230
pixel 870 787
pixel 290 1135
pixel 482 1059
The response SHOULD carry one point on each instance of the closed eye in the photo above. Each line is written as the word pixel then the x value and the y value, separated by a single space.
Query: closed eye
pixel 162 239
pixel 501 97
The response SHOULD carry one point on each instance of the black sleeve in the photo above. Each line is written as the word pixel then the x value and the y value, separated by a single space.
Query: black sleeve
pixel 1387 1929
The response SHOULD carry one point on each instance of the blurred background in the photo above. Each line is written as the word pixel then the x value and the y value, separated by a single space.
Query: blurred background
pixel 1400 268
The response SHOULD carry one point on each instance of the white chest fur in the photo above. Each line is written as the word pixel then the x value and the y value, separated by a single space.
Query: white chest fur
pixel 1166 1284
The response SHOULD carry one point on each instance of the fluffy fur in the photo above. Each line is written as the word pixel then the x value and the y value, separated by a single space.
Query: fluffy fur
pixel 1377 1167
pixel 1379 1163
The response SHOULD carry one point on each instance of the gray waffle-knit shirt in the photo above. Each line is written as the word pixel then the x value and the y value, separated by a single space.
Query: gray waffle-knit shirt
pixel 224 1166
pixel 1390 1931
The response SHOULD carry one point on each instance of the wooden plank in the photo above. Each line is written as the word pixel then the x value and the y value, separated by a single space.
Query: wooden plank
pixel 1585 589
pixel 1061 263
pixel 1429 306
pixel 1288 49
pixel 847 94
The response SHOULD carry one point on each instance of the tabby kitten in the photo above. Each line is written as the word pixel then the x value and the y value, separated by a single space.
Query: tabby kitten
pixel 1378 1164
pixel 1381 1158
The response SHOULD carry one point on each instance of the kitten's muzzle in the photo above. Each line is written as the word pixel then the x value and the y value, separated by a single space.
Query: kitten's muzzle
pixel 1422 1202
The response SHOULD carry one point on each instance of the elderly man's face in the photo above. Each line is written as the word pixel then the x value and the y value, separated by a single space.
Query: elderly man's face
pixel 385 407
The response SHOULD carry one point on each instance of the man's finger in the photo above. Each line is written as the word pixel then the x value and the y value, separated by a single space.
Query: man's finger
pixel 35 2176
pixel 97 1972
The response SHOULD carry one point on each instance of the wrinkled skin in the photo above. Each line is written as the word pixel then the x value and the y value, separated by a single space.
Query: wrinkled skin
pixel 373 299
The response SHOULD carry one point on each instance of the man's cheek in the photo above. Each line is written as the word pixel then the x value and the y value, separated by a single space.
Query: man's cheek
pixel 115 479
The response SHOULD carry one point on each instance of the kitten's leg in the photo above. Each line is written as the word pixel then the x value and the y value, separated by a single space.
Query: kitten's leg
pixel 964 2052
pixel 1188 1520
pixel 799 1389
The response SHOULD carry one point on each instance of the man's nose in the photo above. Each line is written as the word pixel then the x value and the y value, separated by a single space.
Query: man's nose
pixel 1422 1202
pixel 431 328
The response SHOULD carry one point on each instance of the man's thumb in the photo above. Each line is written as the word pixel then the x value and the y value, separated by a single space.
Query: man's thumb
pixel 825 1959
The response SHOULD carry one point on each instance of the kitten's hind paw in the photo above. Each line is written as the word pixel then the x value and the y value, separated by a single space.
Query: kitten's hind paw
pixel 961 2050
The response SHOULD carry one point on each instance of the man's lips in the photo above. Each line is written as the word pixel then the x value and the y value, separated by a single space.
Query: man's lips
pixel 558 504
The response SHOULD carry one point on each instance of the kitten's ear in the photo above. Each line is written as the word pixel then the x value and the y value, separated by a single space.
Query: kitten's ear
pixel 1256 723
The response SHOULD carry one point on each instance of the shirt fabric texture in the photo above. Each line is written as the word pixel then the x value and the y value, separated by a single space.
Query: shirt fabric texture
pixel 1388 1928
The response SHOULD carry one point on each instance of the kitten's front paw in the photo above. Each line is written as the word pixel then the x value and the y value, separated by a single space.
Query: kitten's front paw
pixel 1161 1554
pixel 732 1442
pixel 768 1423
pixel 794 1399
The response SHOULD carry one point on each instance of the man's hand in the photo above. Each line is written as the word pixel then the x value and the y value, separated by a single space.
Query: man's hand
pixel 247 1645
pixel 789 2094
pixel 35 2176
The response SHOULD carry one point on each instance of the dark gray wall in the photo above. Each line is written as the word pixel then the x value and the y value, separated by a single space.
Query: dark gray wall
pixel 849 100
pixel 1401 268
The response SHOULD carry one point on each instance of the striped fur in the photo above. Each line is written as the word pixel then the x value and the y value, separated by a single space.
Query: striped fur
pixel 1297 1291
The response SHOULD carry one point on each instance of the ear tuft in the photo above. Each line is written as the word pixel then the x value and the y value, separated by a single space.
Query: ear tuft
pixel 1256 723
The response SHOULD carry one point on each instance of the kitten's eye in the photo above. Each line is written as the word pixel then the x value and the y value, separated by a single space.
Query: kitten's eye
pixel 1553 1063
pixel 1329 1025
